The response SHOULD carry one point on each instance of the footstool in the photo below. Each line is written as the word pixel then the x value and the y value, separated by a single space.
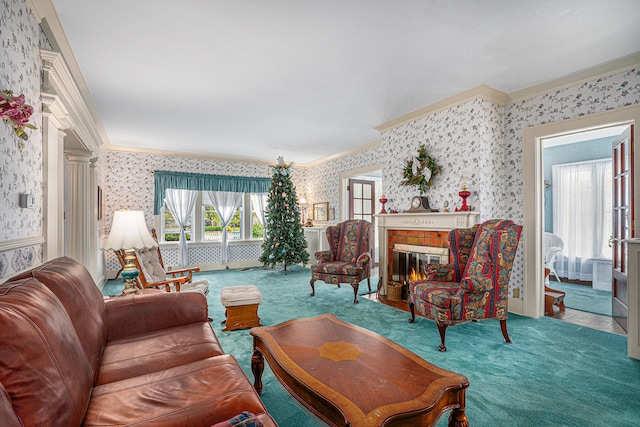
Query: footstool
pixel 241 306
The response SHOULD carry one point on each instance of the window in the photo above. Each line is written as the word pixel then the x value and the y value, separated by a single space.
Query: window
pixel 212 224
pixel 582 214
pixel 170 229
pixel 205 224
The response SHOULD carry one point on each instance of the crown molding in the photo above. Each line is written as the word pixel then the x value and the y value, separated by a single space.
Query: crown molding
pixel 352 151
pixel 238 159
pixel 153 151
pixel 479 92
pixel 59 83
pixel 603 70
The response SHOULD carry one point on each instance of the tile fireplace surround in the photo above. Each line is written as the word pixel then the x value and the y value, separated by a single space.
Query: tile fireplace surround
pixel 429 229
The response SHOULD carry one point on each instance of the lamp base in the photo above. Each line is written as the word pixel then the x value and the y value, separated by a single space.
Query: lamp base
pixel 464 194
pixel 130 273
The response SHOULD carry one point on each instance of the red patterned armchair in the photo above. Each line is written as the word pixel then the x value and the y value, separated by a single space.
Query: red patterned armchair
pixel 476 285
pixel 347 260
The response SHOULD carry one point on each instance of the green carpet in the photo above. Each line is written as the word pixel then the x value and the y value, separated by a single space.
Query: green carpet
pixel 584 298
pixel 554 373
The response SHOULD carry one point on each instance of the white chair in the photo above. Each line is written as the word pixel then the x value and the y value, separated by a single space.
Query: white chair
pixel 552 246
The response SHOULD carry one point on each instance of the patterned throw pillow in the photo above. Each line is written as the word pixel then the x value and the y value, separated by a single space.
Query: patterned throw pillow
pixel 245 419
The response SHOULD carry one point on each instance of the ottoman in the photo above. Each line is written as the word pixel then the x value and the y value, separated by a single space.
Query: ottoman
pixel 241 306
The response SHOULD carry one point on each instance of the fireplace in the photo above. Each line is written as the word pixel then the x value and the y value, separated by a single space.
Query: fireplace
pixel 409 261
pixel 412 230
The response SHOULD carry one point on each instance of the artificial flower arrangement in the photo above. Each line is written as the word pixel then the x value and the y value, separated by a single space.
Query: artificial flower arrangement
pixel 420 170
pixel 16 113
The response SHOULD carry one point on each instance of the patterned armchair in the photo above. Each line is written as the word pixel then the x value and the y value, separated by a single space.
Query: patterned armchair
pixel 476 285
pixel 347 260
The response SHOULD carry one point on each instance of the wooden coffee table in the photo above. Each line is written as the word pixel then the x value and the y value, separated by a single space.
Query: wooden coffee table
pixel 349 376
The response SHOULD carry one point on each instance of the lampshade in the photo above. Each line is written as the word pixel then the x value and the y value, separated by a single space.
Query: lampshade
pixel 303 201
pixel 129 231
pixel 464 182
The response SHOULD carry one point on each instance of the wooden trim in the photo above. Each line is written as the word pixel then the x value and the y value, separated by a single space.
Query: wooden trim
pixel 604 70
pixel 21 243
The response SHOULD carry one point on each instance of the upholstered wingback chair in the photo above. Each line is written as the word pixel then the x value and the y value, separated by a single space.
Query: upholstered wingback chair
pixel 476 285
pixel 348 259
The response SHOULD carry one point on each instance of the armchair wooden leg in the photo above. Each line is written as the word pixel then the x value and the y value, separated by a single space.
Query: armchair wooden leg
pixel 369 283
pixel 313 289
pixel 505 334
pixel 412 309
pixel 442 329
pixel 355 287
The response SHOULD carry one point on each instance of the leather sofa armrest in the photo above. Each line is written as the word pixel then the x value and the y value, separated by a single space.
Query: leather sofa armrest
pixel 140 313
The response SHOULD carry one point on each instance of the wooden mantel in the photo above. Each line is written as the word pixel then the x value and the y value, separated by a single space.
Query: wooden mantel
pixel 428 221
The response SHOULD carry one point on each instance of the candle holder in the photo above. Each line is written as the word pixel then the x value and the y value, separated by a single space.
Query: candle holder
pixel 383 201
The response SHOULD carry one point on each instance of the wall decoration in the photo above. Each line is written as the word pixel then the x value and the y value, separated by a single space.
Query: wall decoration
pixel 15 112
pixel 321 211
pixel 420 170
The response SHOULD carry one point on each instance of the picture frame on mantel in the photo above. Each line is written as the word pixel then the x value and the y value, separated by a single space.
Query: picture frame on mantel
pixel 321 211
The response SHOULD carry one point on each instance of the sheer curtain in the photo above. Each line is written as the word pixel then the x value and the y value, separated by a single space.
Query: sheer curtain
pixel 259 203
pixel 180 204
pixel 582 205
pixel 225 203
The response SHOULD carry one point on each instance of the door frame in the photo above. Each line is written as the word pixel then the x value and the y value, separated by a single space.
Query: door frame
pixel 532 304
pixel 344 199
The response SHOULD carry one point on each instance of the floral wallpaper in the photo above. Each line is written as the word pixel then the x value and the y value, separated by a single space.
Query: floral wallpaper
pixel 20 170
pixel 480 139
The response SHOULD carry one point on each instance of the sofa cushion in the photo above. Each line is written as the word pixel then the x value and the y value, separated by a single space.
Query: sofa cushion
pixel 337 268
pixel 75 288
pixel 158 350
pixel 196 394
pixel 43 366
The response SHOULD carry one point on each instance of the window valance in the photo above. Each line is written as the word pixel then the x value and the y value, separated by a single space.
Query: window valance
pixel 163 180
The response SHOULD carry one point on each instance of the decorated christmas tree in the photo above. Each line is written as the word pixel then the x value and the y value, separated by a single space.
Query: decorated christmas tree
pixel 284 241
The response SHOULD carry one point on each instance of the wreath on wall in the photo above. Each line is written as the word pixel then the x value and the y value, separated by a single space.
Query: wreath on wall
pixel 420 170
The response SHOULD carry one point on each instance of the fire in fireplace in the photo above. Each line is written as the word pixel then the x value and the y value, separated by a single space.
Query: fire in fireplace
pixel 409 261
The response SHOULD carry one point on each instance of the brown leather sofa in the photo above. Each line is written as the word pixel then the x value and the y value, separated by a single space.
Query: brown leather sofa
pixel 69 357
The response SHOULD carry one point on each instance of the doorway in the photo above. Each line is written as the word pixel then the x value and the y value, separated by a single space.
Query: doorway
pixel 366 191
pixel 577 225
pixel 531 304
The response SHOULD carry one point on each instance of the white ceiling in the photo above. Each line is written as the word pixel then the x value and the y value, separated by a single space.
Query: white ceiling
pixel 306 79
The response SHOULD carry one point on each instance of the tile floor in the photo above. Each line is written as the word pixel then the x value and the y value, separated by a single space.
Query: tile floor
pixel 590 320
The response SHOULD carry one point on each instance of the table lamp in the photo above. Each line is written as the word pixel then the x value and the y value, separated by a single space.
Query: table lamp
pixel 129 232
pixel 464 182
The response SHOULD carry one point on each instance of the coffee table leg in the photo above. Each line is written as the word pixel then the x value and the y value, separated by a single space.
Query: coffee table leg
pixel 257 367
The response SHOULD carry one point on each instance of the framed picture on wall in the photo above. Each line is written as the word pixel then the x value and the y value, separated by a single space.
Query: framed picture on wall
pixel 321 211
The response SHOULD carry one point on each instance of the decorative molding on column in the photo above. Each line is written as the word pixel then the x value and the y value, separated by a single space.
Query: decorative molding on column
pixel 80 108
pixel 53 173
pixel 80 204
pixel 53 108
